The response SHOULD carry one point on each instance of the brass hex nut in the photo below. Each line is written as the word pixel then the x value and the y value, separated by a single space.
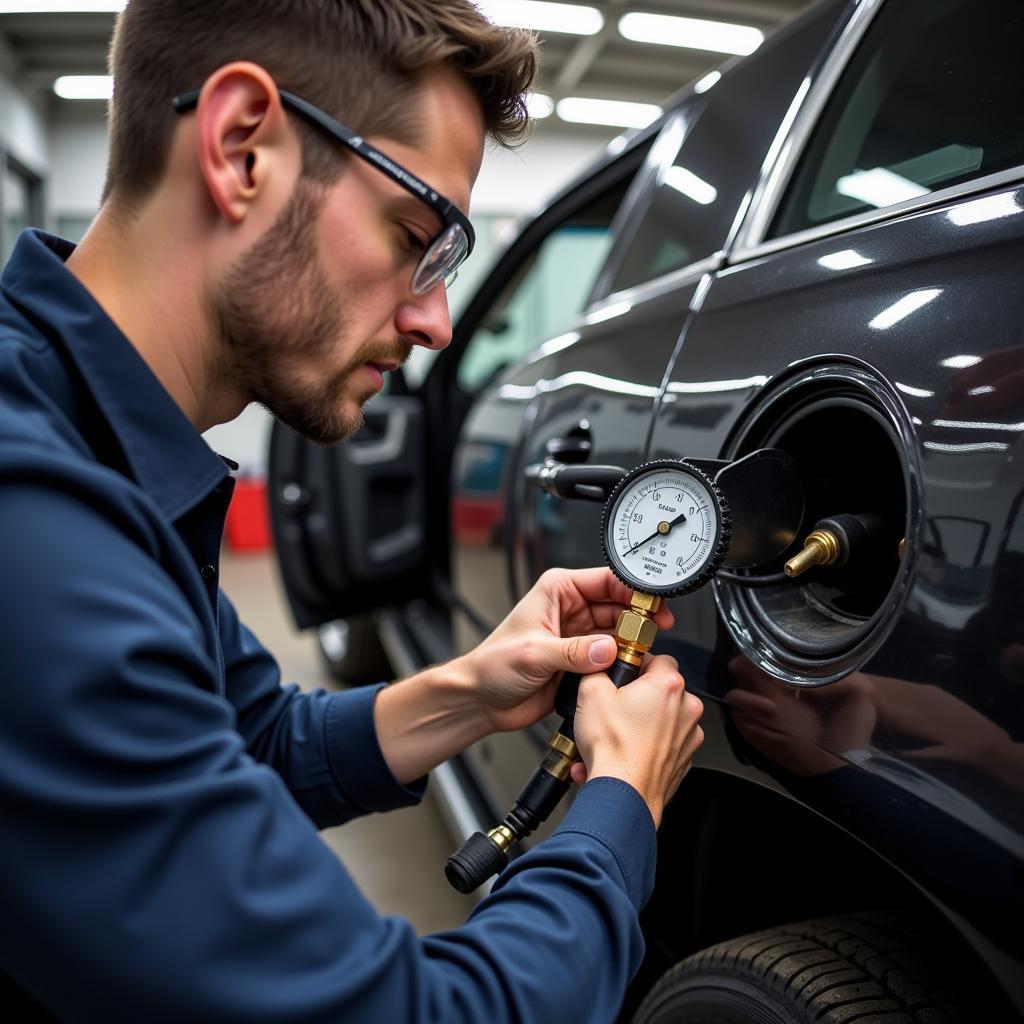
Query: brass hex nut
pixel 648 602
pixel 636 629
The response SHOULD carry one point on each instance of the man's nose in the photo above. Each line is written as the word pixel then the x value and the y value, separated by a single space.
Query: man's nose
pixel 425 319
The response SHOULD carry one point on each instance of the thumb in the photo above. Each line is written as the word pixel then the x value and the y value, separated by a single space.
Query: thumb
pixel 583 654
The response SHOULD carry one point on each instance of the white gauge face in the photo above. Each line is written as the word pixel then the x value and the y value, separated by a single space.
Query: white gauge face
pixel 663 529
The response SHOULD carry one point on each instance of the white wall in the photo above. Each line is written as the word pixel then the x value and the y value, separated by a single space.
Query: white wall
pixel 23 131
pixel 78 147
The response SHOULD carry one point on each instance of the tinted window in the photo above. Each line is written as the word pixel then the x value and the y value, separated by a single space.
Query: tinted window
pixel 931 99
pixel 701 185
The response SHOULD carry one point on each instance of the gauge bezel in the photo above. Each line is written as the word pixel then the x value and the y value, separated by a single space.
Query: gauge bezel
pixel 719 548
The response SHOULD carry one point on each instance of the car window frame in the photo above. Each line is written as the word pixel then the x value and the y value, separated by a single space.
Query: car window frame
pixel 508 261
pixel 792 141
pixel 679 120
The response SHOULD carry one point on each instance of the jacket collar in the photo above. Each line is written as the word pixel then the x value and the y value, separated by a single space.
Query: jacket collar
pixel 166 454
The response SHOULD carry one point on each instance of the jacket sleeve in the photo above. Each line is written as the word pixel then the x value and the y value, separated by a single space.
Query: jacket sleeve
pixel 151 869
pixel 324 746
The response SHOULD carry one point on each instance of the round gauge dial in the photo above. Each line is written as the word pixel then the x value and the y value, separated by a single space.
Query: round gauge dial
pixel 666 528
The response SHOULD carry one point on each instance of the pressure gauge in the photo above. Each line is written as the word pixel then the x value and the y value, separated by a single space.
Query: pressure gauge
pixel 666 528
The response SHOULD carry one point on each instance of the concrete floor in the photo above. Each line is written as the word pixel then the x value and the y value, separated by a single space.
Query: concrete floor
pixel 398 858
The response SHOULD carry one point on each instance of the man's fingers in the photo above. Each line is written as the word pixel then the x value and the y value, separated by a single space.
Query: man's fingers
pixel 599 585
pixel 582 653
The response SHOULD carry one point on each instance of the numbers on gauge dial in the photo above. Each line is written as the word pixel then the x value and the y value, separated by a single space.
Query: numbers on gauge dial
pixel 663 529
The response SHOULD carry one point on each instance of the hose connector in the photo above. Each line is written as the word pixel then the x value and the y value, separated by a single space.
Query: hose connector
pixel 835 539
pixel 820 548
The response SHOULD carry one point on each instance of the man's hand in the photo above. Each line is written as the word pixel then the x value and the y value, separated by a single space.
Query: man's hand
pixel 645 733
pixel 564 624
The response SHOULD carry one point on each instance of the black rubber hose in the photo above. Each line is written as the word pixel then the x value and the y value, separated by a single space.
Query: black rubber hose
pixel 480 856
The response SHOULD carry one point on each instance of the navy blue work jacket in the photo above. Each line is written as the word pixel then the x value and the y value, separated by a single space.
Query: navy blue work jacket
pixel 161 791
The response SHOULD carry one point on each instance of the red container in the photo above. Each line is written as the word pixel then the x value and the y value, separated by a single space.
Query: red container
pixel 248 522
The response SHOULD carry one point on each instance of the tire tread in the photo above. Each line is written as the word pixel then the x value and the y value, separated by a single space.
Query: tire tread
pixel 850 969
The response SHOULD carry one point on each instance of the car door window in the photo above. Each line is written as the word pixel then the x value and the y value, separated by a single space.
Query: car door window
pixel 726 134
pixel 930 100
pixel 546 294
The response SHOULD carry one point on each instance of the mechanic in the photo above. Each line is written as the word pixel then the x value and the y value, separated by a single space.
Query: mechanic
pixel 161 790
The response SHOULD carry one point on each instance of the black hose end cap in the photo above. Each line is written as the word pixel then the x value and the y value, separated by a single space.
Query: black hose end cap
pixel 474 862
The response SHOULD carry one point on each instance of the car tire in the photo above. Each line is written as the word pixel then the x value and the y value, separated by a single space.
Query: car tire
pixel 831 970
pixel 351 652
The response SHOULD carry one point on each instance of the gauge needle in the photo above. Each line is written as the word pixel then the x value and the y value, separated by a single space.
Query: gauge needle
pixel 659 532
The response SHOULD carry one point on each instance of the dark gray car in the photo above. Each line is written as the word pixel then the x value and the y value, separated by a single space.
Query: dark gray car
pixel 822 252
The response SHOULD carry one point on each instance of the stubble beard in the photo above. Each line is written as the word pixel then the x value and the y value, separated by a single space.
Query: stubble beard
pixel 277 317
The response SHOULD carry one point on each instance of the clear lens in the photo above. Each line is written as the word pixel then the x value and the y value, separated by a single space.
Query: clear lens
pixel 441 260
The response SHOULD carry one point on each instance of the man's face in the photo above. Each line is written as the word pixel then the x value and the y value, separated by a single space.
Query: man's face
pixel 316 311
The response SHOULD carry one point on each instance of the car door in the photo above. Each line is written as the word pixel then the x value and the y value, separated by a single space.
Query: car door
pixel 590 392
pixel 535 314
pixel 869 323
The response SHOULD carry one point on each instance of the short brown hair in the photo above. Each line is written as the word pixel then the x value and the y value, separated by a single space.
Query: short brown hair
pixel 357 59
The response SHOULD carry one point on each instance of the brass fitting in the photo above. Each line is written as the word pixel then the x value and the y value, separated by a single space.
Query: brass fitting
pixel 502 837
pixel 645 602
pixel 636 629
pixel 820 548
pixel 902 547
pixel 561 756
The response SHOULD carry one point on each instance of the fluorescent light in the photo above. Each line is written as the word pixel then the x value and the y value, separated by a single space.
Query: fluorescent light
pixel 62 7
pixel 609 312
pixel 696 33
pixel 988 208
pixel 543 16
pixel 705 83
pixel 616 113
pixel 879 187
pixel 914 392
pixel 845 259
pixel 538 105
pixel 690 185
pixel 978 425
pixel 903 308
pixel 960 362
pixel 84 87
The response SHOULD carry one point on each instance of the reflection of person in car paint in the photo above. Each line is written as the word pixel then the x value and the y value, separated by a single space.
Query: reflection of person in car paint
pixel 804 729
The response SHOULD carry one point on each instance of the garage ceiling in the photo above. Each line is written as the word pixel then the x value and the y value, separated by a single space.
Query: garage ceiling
pixel 39 47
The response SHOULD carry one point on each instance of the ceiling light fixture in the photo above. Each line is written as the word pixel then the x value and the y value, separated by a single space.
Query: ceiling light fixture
pixel 539 105
pixel 84 87
pixel 614 113
pixel 690 185
pixel 879 187
pixel 695 33
pixel 705 83
pixel 543 16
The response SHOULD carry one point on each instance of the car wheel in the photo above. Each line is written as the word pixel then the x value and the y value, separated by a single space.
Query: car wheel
pixel 826 971
pixel 351 651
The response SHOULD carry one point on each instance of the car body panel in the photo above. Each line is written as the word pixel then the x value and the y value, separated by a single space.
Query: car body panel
pixel 951 660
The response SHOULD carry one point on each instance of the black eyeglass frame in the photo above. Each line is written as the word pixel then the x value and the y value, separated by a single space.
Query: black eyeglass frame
pixel 445 208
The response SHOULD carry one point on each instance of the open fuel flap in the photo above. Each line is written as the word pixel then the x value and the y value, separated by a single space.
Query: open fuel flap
pixel 853 443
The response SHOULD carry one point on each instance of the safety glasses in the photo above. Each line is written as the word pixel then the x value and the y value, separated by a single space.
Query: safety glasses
pixel 446 253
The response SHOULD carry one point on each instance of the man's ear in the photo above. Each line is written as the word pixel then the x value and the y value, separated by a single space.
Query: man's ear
pixel 242 138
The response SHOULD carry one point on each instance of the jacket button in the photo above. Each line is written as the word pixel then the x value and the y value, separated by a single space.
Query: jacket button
pixel 208 573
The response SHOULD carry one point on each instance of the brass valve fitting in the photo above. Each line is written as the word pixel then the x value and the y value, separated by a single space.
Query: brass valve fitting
pixel 820 548
pixel 636 630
